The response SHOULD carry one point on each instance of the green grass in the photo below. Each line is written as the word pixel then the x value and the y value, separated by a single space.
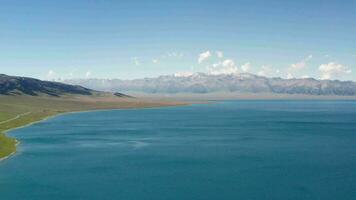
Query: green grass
pixel 38 108
pixel 7 145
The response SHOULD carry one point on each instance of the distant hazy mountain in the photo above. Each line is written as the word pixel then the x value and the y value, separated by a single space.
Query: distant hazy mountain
pixel 14 85
pixel 205 83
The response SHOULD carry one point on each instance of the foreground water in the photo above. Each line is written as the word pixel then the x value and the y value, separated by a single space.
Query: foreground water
pixel 229 150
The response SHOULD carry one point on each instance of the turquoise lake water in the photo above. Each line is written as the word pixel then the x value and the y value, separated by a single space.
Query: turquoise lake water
pixel 228 150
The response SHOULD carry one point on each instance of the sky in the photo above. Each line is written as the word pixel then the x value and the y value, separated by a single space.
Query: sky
pixel 135 39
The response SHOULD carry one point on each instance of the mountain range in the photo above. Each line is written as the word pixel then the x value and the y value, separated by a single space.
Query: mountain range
pixel 207 83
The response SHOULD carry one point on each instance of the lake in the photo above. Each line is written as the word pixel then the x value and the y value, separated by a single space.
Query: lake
pixel 225 150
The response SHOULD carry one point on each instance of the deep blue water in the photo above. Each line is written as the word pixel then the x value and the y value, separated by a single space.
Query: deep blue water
pixel 228 150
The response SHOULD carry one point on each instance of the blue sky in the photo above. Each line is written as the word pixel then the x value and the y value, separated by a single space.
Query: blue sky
pixel 135 39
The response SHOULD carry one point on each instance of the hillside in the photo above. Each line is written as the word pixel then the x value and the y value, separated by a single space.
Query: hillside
pixel 14 85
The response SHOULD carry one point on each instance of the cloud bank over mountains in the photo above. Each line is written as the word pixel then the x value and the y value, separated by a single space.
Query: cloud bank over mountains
pixel 216 62
pixel 333 70
pixel 223 74
pixel 221 65
pixel 229 83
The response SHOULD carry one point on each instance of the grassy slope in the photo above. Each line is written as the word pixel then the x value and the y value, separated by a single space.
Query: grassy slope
pixel 38 108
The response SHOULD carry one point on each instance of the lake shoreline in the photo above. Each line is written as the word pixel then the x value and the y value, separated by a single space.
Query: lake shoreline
pixel 218 146
pixel 12 143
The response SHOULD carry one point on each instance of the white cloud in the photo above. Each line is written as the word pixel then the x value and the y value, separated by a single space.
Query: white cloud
pixel 50 73
pixel 268 71
pixel 297 67
pixel 219 54
pixel 173 55
pixel 301 64
pixel 71 73
pixel 166 56
pixel 136 61
pixel 246 67
pixel 227 66
pixel 183 74
pixel 333 70
pixel 88 74
pixel 203 56
pixel 290 76
pixel 228 63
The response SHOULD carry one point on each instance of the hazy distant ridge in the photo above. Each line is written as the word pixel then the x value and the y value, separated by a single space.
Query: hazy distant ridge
pixel 205 83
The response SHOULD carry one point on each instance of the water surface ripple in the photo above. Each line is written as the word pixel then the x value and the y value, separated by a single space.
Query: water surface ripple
pixel 228 150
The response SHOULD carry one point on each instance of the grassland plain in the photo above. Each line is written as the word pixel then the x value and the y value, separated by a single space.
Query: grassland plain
pixel 18 111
